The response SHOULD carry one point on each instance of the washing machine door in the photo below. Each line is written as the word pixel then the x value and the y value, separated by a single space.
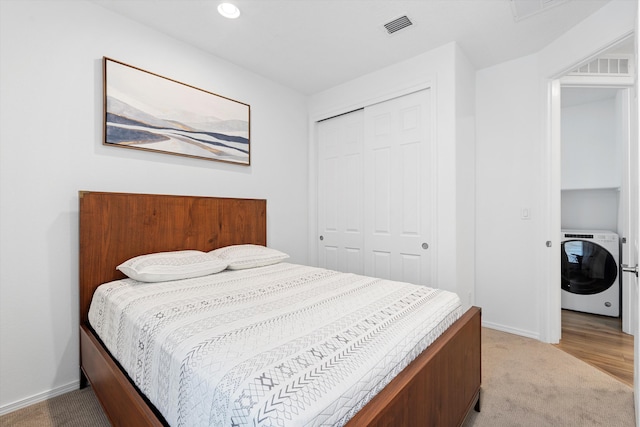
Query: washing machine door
pixel 587 268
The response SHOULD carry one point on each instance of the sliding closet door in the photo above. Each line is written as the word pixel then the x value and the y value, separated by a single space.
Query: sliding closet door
pixel 340 193
pixel 374 190
pixel 397 192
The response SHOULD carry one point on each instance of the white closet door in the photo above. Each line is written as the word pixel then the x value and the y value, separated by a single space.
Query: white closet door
pixel 340 193
pixel 397 174
pixel 374 190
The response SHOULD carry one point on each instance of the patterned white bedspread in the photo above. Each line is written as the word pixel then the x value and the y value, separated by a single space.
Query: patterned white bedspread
pixel 283 345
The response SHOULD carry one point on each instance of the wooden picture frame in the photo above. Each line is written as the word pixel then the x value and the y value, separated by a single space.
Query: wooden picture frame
pixel 146 111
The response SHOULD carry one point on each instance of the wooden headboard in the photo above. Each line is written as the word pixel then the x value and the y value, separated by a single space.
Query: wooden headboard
pixel 117 226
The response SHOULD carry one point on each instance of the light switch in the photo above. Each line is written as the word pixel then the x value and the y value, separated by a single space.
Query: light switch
pixel 525 213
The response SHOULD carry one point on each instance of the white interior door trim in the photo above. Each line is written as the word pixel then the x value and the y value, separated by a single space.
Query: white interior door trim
pixel 549 274
pixel 628 255
pixel 551 314
pixel 550 320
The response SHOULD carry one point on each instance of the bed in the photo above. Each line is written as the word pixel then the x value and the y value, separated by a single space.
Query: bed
pixel 438 388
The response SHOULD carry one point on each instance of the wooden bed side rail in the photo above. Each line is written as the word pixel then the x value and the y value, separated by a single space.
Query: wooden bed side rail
pixel 121 401
pixel 438 388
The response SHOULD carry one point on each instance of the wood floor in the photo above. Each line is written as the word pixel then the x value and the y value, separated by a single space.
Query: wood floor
pixel 599 341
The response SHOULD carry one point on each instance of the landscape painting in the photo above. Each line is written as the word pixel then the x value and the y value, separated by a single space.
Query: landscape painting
pixel 150 112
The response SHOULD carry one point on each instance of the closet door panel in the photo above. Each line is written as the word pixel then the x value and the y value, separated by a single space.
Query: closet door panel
pixel 410 268
pixel 397 188
pixel 410 189
pixel 381 265
pixel 353 194
pixel 381 192
pixel 340 188
pixel 330 256
pixel 374 207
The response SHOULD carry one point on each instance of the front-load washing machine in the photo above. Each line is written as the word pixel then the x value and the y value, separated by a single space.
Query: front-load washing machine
pixel 590 281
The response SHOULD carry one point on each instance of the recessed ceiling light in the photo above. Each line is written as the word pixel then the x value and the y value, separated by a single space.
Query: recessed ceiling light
pixel 228 10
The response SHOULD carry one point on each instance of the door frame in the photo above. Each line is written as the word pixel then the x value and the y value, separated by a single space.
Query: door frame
pixel 554 323
pixel 623 101
pixel 550 313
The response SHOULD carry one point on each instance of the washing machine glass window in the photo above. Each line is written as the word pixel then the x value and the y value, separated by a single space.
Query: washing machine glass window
pixel 587 268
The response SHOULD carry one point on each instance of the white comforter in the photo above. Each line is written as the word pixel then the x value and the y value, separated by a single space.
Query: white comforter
pixel 283 345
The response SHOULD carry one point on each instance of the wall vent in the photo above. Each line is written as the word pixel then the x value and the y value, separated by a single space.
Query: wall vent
pixel 398 24
pixel 606 65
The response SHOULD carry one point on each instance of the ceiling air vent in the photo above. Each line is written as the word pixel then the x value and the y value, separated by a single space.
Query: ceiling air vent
pixel 398 24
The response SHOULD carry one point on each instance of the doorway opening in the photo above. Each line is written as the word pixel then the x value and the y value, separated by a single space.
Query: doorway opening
pixel 593 143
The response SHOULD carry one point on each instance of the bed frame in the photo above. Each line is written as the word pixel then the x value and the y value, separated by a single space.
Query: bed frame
pixel 439 388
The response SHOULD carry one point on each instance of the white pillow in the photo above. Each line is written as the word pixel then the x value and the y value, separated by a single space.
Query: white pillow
pixel 164 266
pixel 240 257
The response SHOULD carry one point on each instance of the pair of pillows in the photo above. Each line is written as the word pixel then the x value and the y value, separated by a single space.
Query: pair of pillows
pixel 164 266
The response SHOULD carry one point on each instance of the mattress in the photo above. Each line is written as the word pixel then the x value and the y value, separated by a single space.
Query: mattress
pixel 271 346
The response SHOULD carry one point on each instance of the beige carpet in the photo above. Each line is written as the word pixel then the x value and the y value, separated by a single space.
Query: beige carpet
pixel 529 383
pixel 79 408
pixel 524 383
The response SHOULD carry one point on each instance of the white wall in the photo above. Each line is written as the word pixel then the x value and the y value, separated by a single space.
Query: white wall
pixel 514 279
pixel 443 70
pixel 465 165
pixel 590 209
pixel 591 150
pixel 591 166
pixel 612 23
pixel 50 148
pixel 507 176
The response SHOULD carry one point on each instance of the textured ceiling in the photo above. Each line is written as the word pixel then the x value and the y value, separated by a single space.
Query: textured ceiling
pixel 312 45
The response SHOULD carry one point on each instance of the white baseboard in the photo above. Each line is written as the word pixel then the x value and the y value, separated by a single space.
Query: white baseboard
pixel 40 397
pixel 511 330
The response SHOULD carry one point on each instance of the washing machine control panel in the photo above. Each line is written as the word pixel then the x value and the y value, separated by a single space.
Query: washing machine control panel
pixel 605 237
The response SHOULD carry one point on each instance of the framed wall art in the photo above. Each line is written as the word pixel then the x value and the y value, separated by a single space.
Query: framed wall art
pixel 146 111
